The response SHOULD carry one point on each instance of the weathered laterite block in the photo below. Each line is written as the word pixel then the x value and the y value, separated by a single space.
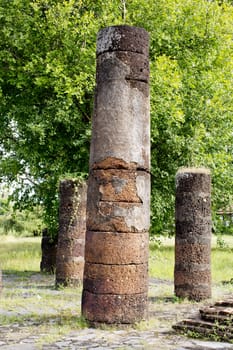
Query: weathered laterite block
pixel 118 201
pixel 71 236
pixel 118 216
pixel 113 248
pixel 115 281
pixel 104 308
pixel 119 185
pixel 192 276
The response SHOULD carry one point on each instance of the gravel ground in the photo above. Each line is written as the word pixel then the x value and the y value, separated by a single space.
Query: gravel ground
pixel 34 315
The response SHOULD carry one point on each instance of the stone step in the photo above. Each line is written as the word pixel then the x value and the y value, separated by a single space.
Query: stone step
pixel 213 321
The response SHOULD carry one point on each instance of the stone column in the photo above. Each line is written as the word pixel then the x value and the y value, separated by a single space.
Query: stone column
pixel 193 234
pixel 48 252
pixel 71 236
pixel 118 198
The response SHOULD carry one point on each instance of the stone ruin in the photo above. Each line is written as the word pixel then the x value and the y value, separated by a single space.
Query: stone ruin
pixel 115 282
pixel 192 275
pixel 48 252
pixel 71 235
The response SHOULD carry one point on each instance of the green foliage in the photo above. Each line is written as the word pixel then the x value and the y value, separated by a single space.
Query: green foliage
pixel 19 223
pixel 47 79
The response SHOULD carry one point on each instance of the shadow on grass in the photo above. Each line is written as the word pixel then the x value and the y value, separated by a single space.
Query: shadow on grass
pixel 54 320
pixel 19 273
pixel 171 299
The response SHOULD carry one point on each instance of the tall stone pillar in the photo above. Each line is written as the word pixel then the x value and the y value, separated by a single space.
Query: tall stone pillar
pixel 118 198
pixel 193 234
pixel 72 230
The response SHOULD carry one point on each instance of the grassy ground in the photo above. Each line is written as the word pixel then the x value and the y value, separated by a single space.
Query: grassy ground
pixel 30 300
pixel 22 256
pixel 161 264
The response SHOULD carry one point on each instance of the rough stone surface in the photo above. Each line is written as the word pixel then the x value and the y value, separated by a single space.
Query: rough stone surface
pixel 130 141
pixel 124 70
pixel 48 252
pixel 118 198
pixel 197 255
pixel 72 228
pixel 193 180
pixel 136 66
pixel 116 279
pixel 193 234
pixel 119 185
pixel 123 38
pixel 118 216
pixel 116 247
pixel 110 308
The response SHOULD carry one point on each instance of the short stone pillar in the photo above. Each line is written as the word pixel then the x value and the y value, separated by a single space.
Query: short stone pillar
pixel 48 252
pixel 192 276
pixel 71 235
pixel 118 198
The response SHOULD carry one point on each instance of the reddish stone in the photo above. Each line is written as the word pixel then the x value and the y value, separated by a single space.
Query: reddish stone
pixel 118 216
pixel 118 199
pixel 70 271
pixel 71 237
pixel 116 248
pixel 118 185
pixel 116 279
pixel 110 308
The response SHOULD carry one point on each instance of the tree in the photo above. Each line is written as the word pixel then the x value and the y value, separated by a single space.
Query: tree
pixel 47 83
pixel 47 80
pixel 191 96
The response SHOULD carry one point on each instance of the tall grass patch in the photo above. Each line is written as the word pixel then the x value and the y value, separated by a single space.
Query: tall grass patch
pixel 20 255
pixel 162 259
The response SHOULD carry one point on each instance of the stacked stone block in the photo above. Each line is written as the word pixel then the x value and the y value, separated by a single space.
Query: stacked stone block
pixel 193 234
pixel 118 198
pixel 72 230
pixel 48 252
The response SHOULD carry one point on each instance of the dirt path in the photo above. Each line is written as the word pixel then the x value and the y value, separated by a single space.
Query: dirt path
pixel 34 316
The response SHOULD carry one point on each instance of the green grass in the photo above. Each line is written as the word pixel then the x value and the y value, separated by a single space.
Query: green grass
pixel 161 262
pixel 30 299
pixel 20 255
